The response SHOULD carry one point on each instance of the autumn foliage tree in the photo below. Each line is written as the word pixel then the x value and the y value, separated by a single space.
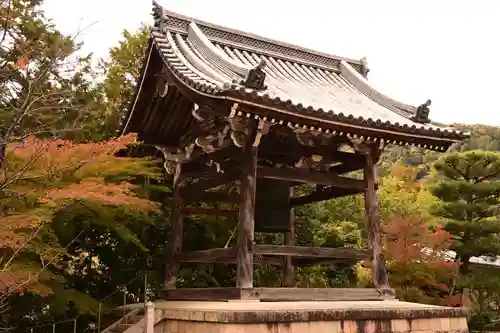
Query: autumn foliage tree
pixel 39 178
pixel 418 265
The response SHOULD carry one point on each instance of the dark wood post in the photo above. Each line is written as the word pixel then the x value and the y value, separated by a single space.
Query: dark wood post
pixel 244 275
pixel 379 270
pixel 290 241
pixel 176 232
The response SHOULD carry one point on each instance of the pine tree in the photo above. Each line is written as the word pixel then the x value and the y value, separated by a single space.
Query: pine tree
pixel 468 186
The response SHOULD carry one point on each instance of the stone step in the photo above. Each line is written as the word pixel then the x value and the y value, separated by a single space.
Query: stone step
pixel 134 318
pixel 120 328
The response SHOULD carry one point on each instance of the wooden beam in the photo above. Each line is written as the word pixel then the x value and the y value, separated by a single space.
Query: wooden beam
pixel 224 256
pixel 327 194
pixel 329 152
pixel 275 294
pixel 209 211
pixel 311 177
pixel 346 167
pixel 379 270
pixel 218 196
pixel 289 240
pixel 176 233
pixel 246 224
pixel 191 192
pixel 310 251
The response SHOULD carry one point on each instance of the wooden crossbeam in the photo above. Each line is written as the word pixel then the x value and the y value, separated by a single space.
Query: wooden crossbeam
pixel 190 192
pixel 209 256
pixel 209 211
pixel 310 251
pixel 224 256
pixel 272 255
pixel 347 166
pixel 311 177
pixel 219 196
pixel 327 194
pixel 329 152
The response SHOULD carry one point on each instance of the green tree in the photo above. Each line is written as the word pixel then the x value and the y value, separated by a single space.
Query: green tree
pixel 468 187
pixel 121 71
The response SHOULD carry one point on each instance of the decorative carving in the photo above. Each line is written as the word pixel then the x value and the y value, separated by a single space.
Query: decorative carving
pixel 195 114
pixel 162 87
pixel 314 163
pixel 159 17
pixel 212 142
pixel 364 67
pixel 422 115
pixel 216 164
pixel 171 159
pixel 359 146
pixel 368 149
pixel 175 156
pixel 200 113
pixel 262 129
pixel 256 77
pixel 170 166
pixel 310 138
pixel 240 130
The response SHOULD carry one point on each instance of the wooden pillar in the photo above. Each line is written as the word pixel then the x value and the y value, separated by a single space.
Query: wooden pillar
pixel 244 259
pixel 372 212
pixel 149 317
pixel 176 232
pixel 290 240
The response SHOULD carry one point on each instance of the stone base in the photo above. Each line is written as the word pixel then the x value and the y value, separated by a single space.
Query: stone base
pixel 308 317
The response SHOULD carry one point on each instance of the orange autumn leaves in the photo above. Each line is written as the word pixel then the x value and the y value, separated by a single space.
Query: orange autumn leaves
pixel 417 258
pixel 39 176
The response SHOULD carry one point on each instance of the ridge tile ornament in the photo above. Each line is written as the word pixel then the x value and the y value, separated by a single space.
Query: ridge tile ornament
pixel 422 114
pixel 364 67
pixel 256 77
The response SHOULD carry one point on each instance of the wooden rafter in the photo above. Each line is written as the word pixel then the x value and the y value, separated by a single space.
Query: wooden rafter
pixel 311 177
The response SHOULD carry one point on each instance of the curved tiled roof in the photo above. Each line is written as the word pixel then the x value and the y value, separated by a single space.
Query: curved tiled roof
pixel 214 60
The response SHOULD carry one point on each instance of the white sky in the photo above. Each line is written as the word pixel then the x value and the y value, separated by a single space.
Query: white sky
pixel 446 50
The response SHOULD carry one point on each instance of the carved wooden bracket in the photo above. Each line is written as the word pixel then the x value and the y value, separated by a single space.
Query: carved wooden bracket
pixel 200 113
pixel 368 148
pixel 309 137
pixel 262 129
pixel 215 164
pixel 212 142
pixel 162 87
pixel 173 157
pixel 240 130
pixel 315 163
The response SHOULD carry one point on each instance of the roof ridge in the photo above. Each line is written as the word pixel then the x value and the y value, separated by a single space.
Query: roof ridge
pixel 179 22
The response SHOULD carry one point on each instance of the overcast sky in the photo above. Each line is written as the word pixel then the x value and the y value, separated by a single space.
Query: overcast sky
pixel 445 50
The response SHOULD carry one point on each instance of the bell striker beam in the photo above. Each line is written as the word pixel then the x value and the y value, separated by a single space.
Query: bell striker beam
pixel 372 211
pixel 176 232
pixel 248 180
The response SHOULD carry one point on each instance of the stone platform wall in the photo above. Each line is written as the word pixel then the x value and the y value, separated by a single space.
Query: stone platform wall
pixel 309 317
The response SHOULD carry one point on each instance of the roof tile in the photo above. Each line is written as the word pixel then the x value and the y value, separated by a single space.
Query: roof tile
pixel 213 66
